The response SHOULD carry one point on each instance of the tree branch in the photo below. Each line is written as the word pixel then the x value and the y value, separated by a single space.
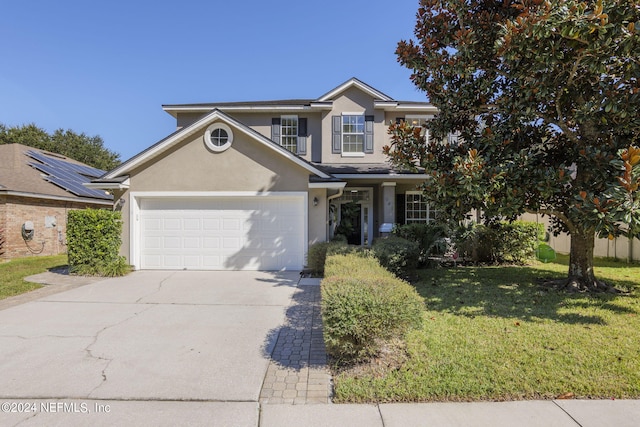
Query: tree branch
pixel 561 216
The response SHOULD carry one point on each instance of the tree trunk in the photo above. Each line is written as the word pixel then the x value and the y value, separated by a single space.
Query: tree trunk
pixel 581 275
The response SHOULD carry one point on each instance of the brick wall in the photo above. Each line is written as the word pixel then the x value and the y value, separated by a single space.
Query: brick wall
pixel 49 218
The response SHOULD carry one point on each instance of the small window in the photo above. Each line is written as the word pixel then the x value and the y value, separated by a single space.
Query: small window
pixel 417 210
pixel 218 137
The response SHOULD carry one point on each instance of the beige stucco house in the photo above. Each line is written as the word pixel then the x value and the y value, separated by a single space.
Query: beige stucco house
pixel 250 185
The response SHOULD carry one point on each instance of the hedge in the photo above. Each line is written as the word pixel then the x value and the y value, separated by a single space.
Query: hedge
pixel 93 239
pixel 363 306
pixel 514 242
pixel 398 255
pixel 316 257
pixel 429 237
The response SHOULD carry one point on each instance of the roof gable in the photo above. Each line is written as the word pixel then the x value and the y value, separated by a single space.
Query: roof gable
pixel 353 82
pixel 178 136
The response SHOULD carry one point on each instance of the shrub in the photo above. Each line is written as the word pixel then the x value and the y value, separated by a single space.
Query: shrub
pixel 93 238
pixel 355 264
pixel 398 255
pixel 514 242
pixel 429 237
pixel 475 242
pixel 340 246
pixel 316 257
pixel 363 305
pixel 518 241
pixel 339 238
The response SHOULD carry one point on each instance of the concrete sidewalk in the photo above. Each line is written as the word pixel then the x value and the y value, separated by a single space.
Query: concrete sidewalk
pixel 560 413
pixel 137 401
pixel 565 413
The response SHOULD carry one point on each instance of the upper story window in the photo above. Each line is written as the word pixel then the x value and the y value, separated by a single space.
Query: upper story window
pixel 416 209
pixel 417 120
pixel 452 138
pixel 291 133
pixel 352 134
pixel 420 121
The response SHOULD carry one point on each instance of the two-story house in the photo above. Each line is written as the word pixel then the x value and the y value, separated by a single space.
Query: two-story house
pixel 250 185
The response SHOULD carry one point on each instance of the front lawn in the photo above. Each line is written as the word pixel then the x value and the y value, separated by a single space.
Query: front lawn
pixel 493 333
pixel 13 272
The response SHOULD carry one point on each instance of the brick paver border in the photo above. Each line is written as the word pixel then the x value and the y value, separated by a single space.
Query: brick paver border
pixel 298 372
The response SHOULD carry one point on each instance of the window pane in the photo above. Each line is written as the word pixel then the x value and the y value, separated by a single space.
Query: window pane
pixel 219 137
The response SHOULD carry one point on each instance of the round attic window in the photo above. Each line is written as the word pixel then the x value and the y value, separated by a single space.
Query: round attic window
pixel 218 137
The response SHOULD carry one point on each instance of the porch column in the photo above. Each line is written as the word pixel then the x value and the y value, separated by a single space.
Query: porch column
pixel 388 207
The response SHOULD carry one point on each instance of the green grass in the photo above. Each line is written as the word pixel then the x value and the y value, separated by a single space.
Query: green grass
pixel 12 273
pixel 492 333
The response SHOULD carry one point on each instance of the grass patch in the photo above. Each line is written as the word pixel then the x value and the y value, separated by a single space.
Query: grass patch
pixel 492 333
pixel 12 273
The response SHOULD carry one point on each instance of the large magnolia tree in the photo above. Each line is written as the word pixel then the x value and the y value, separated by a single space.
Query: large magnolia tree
pixel 545 96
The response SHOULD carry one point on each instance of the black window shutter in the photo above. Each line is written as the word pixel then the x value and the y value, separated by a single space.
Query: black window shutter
pixel 275 130
pixel 368 134
pixel 336 131
pixel 302 136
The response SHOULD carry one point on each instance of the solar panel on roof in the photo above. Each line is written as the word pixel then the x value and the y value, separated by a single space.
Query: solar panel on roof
pixel 78 189
pixel 69 176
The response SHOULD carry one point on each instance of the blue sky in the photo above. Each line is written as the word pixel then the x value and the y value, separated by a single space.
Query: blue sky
pixel 105 68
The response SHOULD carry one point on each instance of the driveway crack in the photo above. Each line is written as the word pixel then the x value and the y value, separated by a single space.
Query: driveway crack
pixel 108 361
pixel 157 290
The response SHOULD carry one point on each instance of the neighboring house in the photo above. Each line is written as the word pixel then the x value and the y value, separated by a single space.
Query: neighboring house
pixel 250 185
pixel 37 189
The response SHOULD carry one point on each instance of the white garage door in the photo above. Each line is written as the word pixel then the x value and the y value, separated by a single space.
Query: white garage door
pixel 223 233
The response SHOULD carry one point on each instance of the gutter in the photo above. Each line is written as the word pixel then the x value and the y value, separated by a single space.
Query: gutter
pixel 59 198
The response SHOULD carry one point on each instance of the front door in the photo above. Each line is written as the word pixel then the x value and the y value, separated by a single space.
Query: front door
pixel 353 216
pixel 351 222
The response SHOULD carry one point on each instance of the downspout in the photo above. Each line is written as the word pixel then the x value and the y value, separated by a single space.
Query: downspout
pixel 329 199
pixel 335 196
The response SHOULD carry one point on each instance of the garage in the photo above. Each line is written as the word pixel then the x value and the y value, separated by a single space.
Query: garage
pixel 222 232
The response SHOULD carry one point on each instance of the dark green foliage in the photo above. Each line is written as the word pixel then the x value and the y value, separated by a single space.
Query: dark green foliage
pixel 81 147
pixel 349 214
pixel 340 246
pixel 316 257
pixel 502 242
pixel 429 237
pixel 339 238
pixel 399 256
pixel 364 305
pixel 1 241
pixel 93 238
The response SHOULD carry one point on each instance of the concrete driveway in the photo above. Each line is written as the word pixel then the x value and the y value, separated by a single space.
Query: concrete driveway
pixel 151 336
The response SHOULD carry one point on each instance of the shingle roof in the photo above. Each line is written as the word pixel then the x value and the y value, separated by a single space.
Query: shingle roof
pixel 212 105
pixel 17 176
pixel 361 168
